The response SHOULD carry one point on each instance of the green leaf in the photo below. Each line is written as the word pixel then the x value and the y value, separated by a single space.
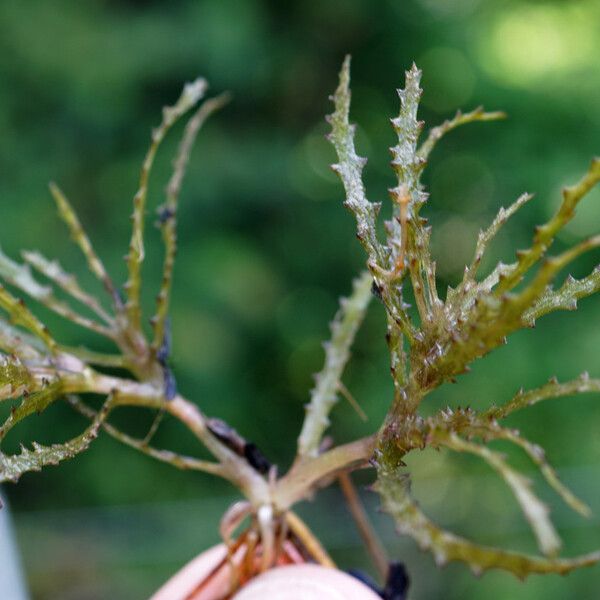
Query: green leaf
pixel 394 490
pixel 36 402
pixel 12 467
pixel 192 92
pixel 459 119
pixel 337 353
pixel 15 378
pixel 535 511
pixel 349 168
pixel 167 213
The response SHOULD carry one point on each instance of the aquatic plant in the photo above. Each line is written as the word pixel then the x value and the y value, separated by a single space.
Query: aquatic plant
pixel 430 345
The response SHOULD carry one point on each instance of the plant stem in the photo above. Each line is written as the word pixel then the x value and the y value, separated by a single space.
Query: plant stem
pixel 365 528
pixel 307 474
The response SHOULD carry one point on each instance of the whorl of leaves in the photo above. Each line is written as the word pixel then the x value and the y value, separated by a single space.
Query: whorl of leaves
pixel 36 370
pixel 475 317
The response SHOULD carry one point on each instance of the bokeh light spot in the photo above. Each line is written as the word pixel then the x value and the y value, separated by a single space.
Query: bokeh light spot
pixel 537 41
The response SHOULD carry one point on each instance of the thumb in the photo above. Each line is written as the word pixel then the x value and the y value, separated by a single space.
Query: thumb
pixel 305 582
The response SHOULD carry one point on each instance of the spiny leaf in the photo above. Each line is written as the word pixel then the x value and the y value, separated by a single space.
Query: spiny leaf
pixel 407 231
pixel 192 92
pixel 537 455
pixel 167 213
pixel 545 234
pixel 467 423
pixel 406 163
pixel 66 281
pixel 337 352
pixel 564 298
pixel 446 546
pixel 177 460
pixel 349 168
pixel 36 402
pixel 553 389
pixel 485 237
pixel 21 315
pixel 535 511
pixel 459 119
pixel 546 273
pixel 20 276
pixel 68 215
pixel 12 467
pixel 489 320
pixel 468 287
pixel 18 343
pixel 15 377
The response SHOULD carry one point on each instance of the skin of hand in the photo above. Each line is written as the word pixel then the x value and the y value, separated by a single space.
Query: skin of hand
pixel 305 582
pixel 291 582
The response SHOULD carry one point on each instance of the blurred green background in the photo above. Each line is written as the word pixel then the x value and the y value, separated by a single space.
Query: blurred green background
pixel 266 249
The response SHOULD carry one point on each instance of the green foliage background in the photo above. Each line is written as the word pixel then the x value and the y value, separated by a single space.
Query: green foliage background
pixel 266 249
